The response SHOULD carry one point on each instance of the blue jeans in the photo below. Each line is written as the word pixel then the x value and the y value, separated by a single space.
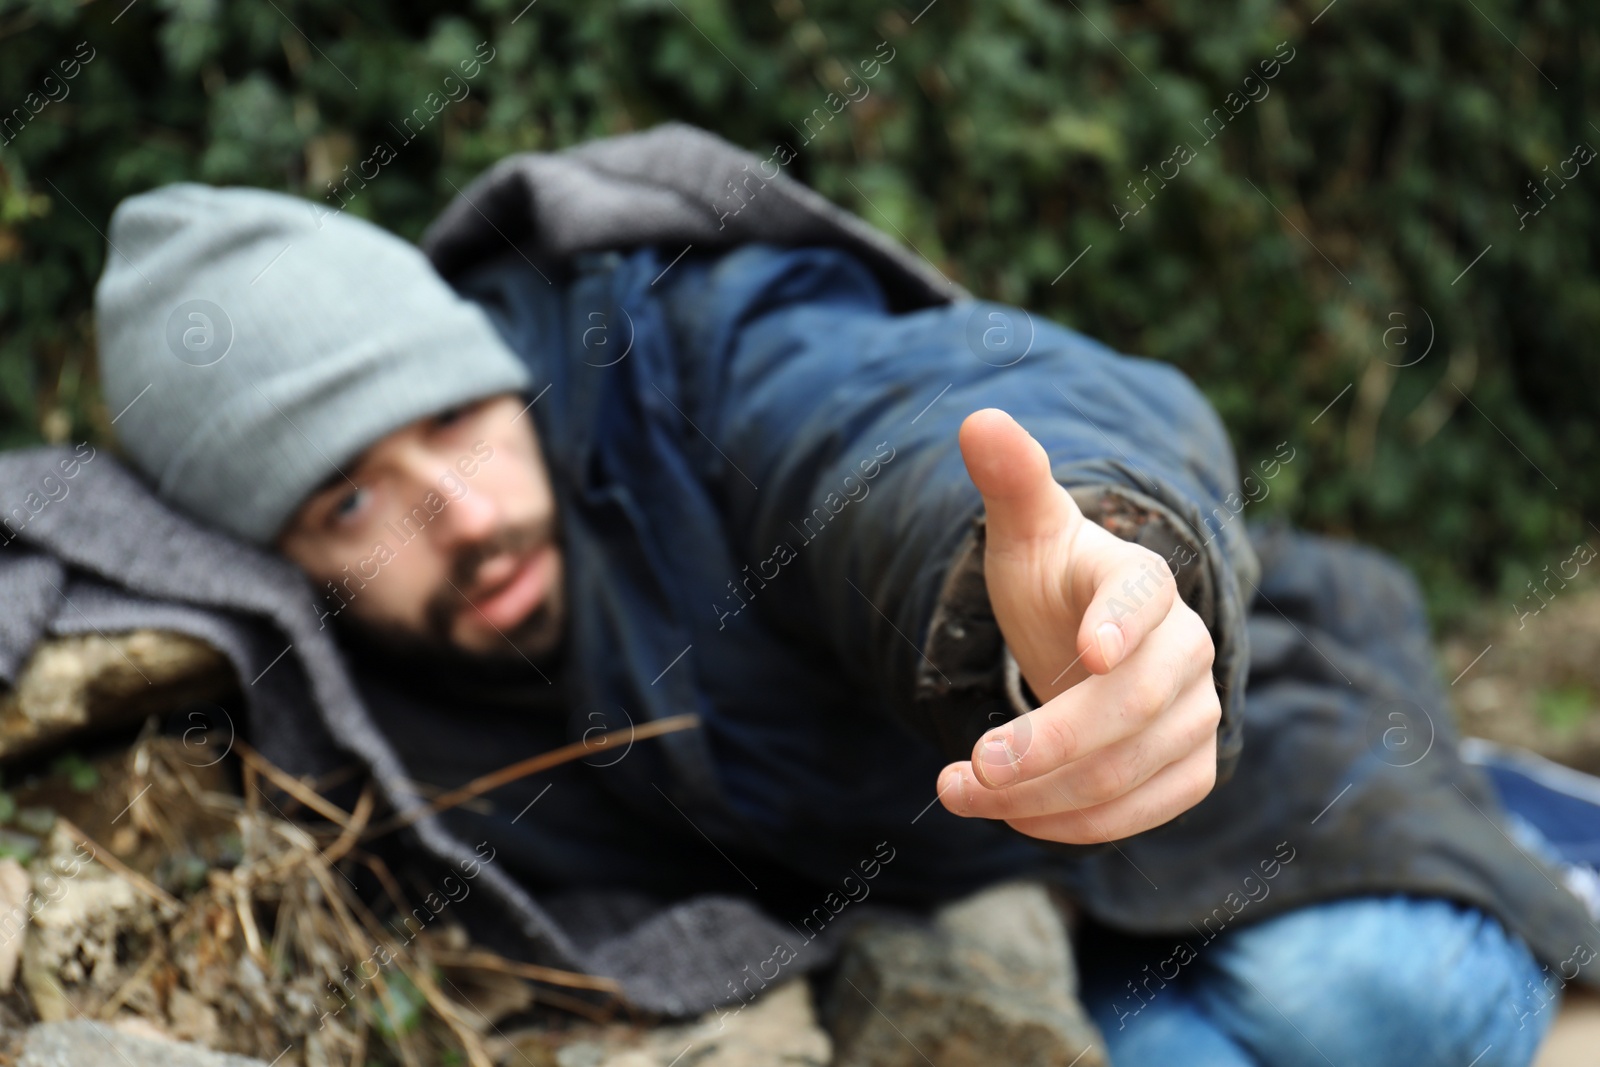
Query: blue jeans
pixel 1360 982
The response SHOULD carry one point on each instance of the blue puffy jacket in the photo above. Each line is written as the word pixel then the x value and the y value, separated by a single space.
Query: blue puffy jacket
pixel 765 515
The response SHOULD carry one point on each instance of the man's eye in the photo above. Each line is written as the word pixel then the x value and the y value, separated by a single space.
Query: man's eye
pixel 349 505
pixel 448 416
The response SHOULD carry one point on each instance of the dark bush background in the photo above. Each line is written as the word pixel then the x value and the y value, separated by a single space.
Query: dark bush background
pixel 1317 243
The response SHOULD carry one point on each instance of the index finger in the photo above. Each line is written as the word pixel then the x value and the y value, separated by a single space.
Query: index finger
pixel 1101 710
pixel 1132 596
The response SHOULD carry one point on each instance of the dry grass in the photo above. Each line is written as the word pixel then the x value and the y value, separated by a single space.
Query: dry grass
pixel 274 953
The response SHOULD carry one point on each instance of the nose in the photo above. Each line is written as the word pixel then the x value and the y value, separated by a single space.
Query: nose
pixel 467 516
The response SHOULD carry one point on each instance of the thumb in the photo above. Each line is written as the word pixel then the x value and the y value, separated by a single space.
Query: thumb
pixel 1021 498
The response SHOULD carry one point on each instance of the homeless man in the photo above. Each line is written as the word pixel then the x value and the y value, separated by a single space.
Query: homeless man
pixel 976 620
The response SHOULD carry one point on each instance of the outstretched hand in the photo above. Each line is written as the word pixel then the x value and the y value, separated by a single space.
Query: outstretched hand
pixel 1126 735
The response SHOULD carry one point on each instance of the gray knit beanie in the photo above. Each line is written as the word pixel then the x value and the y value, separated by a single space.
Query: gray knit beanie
pixel 252 343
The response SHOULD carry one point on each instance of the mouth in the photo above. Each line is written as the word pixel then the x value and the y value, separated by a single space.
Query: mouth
pixel 513 598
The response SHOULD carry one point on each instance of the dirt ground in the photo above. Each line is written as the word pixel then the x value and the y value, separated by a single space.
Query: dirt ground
pixel 1574 1040
pixel 1530 678
pixel 232 874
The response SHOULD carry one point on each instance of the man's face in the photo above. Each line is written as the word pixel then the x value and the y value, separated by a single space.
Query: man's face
pixel 443 531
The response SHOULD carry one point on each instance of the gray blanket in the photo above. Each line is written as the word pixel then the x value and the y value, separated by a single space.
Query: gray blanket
pixel 96 552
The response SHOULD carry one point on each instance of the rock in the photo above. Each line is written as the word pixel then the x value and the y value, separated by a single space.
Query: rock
pixel 192 1018
pixel 990 981
pixel 90 929
pixel 82 1043
pixel 73 683
pixel 778 1027
pixel 15 885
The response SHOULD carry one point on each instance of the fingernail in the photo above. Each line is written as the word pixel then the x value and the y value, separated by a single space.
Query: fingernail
pixel 958 789
pixel 1109 636
pixel 999 758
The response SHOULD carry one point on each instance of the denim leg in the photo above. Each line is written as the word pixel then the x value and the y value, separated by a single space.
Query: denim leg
pixel 1371 981
pixel 1169 1030
pixel 1148 1022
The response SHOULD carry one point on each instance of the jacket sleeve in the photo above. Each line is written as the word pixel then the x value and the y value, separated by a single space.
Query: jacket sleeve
pixel 830 435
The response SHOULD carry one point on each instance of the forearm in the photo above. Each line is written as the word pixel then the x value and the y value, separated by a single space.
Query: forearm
pixel 873 581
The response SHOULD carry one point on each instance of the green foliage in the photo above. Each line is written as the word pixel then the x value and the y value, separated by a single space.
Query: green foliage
pixel 19 847
pixel 1564 710
pixel 36 819
pixel 1315 240
pixel 80 774
pixel 398 1009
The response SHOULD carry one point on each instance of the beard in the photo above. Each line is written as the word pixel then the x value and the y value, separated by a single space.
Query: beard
pixel 536 636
